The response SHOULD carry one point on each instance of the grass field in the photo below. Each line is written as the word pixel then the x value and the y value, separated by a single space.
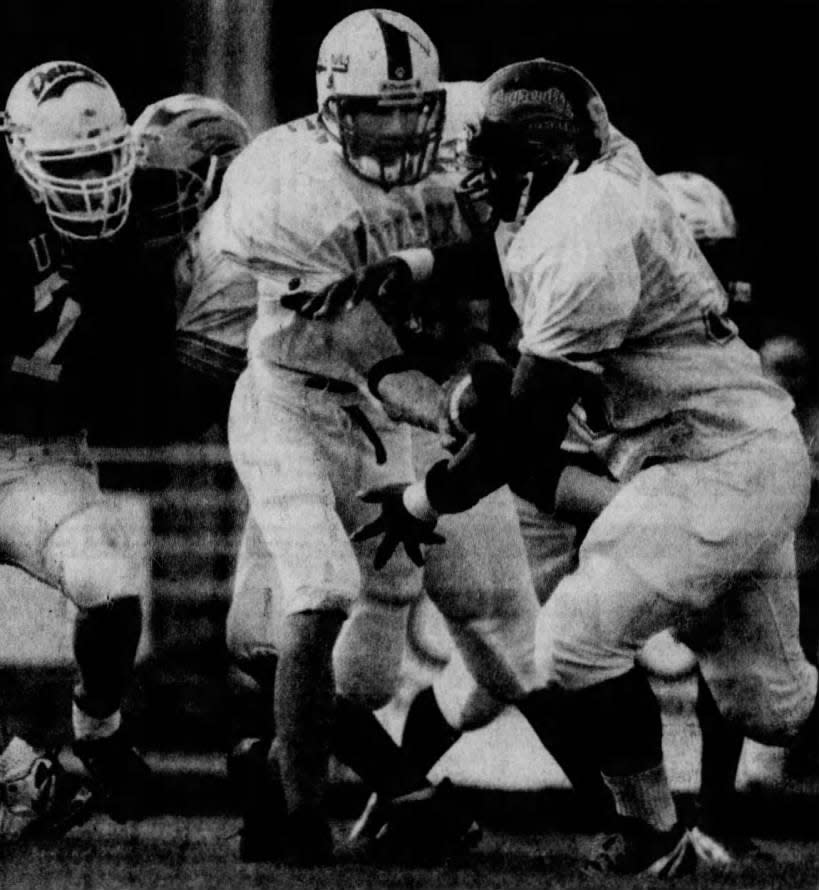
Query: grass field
pixel 200 852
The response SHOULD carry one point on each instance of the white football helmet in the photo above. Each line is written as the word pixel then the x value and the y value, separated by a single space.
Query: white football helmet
pixel 707 212
pixel 70 141
pixel 702 204
pixel 379 96
pixel 185 144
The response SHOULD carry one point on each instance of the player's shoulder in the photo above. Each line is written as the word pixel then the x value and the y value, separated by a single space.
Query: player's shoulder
pixel 286 178
pixel 280 156
pixel 586 213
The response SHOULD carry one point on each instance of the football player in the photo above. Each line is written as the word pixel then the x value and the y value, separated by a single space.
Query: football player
pixel 185 144
pixel 305 205
pixel 82 345
pixel 552 541
pixel 621 314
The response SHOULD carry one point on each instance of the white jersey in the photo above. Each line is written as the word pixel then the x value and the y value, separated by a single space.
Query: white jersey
pixel 604 274
pixel 292 216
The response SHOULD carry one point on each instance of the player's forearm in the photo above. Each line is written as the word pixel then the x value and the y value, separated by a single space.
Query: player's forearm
pixel 471 268
pixel 516 441
pixel 455 485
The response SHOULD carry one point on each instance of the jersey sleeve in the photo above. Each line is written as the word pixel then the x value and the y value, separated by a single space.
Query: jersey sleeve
pixel 577 276
pixel 278 221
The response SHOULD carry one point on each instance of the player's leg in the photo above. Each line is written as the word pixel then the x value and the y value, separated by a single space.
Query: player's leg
pixel 717 836
pixel 253 636
pixel 480 582
pixel 274 449
pixel 302 459
pixel 369 655
pixel 759 684
pixel 602 704
pixel 552 545
pixel 73 538
pixel 651 560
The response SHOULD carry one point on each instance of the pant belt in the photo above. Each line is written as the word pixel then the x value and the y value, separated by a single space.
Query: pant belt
pixel 328 384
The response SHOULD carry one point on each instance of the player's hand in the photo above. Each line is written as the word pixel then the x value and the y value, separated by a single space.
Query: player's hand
pixel 397 525
pixel 386 284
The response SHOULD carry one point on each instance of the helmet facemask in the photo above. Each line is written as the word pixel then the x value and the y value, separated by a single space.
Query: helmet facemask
pixel 510 175
pixel 185 145
pixel 391 141
pixel 70 142
pixel 86 189
pixel 173 199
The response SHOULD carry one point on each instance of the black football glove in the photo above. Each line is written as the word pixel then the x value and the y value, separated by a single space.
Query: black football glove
pixel 396 524
pixel 386 284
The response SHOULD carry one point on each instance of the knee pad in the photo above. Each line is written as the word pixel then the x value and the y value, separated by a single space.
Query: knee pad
pixel 36 506
pixel 256 670
pixel 747 703
pixel 369 651
pixel 253 628
pixel 94 558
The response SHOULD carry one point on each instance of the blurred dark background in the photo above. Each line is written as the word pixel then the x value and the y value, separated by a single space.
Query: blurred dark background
pixel 727 89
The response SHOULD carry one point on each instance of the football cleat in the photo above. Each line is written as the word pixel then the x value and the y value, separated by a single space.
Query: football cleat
pixel 424 826
pixel 638 849
pixel 38 798
pixel 268 832
pixel 725 852
pixel 121 781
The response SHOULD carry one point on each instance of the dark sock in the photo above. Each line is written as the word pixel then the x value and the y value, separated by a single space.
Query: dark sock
pixel 362 743
pixel 564 733
pixel 427 736
pixel 625 723
pixel 304 704
pixel 105 645
pixel 721 751
pixel 249 706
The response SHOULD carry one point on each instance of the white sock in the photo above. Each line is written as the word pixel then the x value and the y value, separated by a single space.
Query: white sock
pixel 645 796
pixel 87 727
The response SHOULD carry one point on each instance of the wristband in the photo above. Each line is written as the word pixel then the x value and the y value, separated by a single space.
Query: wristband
pixel 417 503
pixel 420 261
pixel 453 408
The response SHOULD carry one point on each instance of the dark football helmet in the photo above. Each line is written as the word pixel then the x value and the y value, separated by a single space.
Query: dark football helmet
pixel 539 120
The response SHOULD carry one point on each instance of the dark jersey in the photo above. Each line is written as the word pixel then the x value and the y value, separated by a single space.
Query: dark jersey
pixel 86 332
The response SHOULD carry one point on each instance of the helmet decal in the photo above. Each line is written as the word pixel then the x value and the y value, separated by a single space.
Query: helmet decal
pixel 541 121
pixel 396 43
pixel 52 81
